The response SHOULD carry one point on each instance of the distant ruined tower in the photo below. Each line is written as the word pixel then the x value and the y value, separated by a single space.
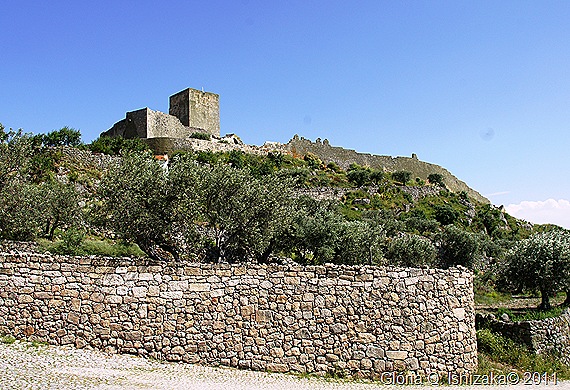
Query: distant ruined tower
pixel 190 111
pixel 197 109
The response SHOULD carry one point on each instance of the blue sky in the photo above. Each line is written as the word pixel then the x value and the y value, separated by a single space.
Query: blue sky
pixel 479 87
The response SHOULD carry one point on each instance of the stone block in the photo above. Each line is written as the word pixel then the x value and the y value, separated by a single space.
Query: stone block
pixel 263 316
pixel 199 287
pixel 397 355
pixel 25 298
pixel 277 367
pixel 374 352
pixel 459 313
pixel 112 280
pixel 73 318
pixel 139 292
pixel 247 311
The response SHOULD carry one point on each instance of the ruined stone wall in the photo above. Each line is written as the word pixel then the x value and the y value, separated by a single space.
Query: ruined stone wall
pixel 169 145
pixel 360 320
pixel 160 124
pixel 133 126
pixel 551 335
pixel 344 157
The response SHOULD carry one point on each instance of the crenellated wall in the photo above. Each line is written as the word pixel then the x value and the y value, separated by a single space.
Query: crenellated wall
pixel 359 320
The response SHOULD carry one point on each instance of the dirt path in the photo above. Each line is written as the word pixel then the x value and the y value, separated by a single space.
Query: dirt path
pixel 26 366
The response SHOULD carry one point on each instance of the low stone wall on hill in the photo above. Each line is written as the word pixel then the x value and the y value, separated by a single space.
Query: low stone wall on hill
pixel 359 320
pixel 547 336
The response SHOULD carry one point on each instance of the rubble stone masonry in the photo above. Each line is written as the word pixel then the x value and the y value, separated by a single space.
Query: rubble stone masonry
pixel 358 320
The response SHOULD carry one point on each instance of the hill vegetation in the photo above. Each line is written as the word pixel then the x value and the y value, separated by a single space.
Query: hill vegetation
pixel 232 206
pixel 114 197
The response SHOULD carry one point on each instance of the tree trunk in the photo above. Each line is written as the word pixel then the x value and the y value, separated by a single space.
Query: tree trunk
pixel 545 303
pixel 172 250
pixel 264 258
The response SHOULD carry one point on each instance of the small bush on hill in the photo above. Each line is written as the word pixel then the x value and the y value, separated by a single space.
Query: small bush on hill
pixel 401 176
pixel 66 136
pixel 436 178
pixel 198 135
pixel 116 145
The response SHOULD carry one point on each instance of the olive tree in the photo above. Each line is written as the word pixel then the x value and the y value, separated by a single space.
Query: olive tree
pixel 457 247
pixel 137 204
pixel 314 230
pixel 411 250
pixel 16 151
pixel 318 233
pixel 540 262
pixel 244 213
pixel 20 218
pixel 58 206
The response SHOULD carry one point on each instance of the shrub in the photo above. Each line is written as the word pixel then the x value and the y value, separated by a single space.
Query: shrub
pixel 376 176
pixel 334 167
pixel 445 214
pixel 116 145
pixel 421 225
pixel 401 176
pixel 359 177
pixel 198 135
pixel 436 178
pixel 237 159
pixel 457 247
pixel 66 136
pixel 277 159
pixel 411 250
pixel 506 351
pixel 70 244
pixel 313 161
pixel 298 175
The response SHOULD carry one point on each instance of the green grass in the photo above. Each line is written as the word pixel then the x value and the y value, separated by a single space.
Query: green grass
pixel 502 355
pixel 8 339
pixel 93 247
pixel 531 314
pixel 37 344
pixel 204 136
pixel 490 297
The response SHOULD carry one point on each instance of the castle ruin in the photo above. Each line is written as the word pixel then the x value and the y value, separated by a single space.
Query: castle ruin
pixel 191 111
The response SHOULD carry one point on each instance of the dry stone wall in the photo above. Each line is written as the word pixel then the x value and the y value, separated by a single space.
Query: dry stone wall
pixel 359 320
pixel 547 336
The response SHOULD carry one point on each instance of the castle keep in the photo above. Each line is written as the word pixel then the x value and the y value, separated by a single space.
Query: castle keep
pixel 190 111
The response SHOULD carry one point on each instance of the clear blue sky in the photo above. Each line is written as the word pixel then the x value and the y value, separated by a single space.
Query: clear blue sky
pixel 480 87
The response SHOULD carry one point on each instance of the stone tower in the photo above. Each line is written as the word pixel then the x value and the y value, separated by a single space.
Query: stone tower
pixel 197 109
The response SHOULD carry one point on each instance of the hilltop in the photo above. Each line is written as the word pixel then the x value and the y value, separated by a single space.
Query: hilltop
pixel 193 123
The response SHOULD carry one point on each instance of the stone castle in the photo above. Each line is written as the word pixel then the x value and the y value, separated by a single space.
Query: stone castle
pixel 191 111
